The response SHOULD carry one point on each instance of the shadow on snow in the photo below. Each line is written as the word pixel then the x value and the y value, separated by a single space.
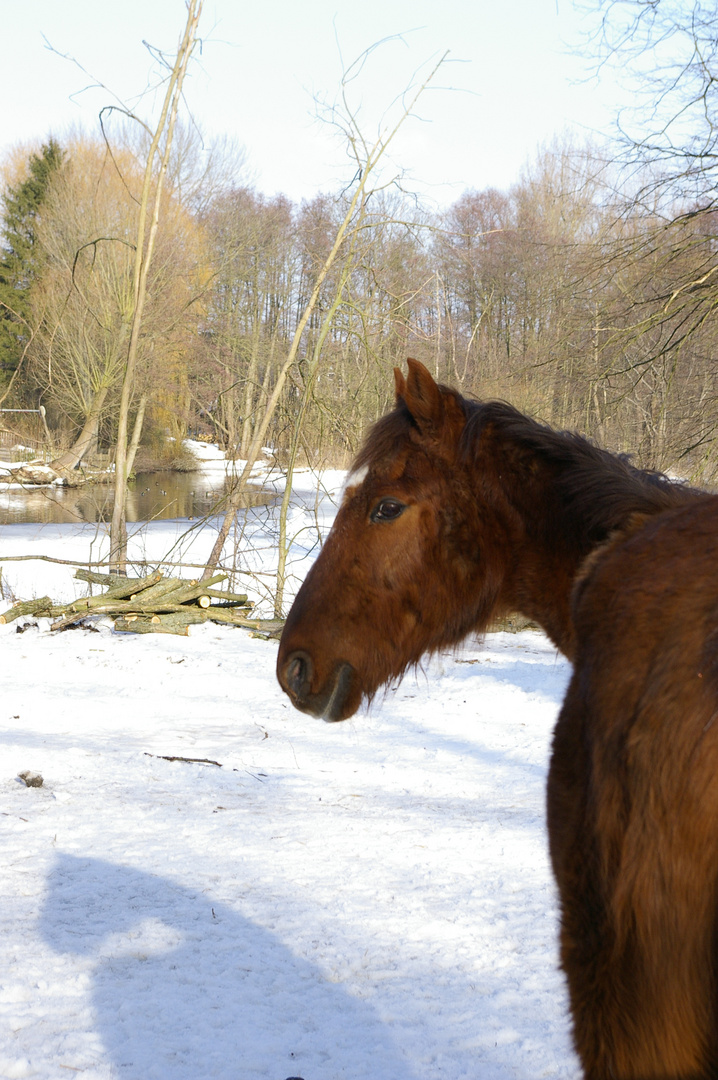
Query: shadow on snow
pixel 184 987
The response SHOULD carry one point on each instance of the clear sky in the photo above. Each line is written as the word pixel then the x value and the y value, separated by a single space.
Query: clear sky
pixel 516 78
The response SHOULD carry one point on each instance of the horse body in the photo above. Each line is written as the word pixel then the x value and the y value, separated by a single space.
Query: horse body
pixel 457 512
pixel 633 803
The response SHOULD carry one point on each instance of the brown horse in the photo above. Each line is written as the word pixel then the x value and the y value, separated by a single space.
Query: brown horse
pixel 456 512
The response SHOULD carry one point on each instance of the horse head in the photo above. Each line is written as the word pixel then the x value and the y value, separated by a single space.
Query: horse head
pixel 396 577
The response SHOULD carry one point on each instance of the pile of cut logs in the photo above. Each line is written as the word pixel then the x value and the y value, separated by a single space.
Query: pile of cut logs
pixel 148 605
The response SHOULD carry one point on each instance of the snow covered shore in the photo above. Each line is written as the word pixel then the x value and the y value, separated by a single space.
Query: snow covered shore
pixel 364 901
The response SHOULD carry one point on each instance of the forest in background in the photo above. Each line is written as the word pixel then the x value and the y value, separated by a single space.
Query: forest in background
pixel 584 294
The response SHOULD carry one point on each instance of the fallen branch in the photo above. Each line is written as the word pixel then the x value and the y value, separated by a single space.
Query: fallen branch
pixel 130 562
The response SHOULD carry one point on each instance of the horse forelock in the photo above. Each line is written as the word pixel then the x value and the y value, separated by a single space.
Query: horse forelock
pixel 386 440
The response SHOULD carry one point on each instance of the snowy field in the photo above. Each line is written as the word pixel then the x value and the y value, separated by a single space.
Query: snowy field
pixel 368 900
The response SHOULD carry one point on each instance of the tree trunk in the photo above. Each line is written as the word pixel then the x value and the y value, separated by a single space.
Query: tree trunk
pixel 250 393
pixel 136 434
pixel 71 458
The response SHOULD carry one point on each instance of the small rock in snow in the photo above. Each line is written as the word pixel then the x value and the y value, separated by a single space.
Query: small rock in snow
pixel 32 779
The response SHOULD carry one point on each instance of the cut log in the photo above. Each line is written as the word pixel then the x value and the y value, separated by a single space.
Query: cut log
pixel 117 585
pixel 128 609
pixel 228 597
pixel 147 626
pixel 181 619
pixel 132 586
pixel 56 610
pixel 176 623
pixel 25 607
pixel 233 618
pixel 95 578
pixel 266 626
pixel 199 590
pixel 512 624
pixel 147 597
pixel 92 605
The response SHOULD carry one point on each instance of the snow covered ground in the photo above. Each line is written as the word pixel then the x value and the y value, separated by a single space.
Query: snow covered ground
pixel 363 900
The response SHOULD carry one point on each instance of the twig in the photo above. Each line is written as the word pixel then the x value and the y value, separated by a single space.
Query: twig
pixel 189 760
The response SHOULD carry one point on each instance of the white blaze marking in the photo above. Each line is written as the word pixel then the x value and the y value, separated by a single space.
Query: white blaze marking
pixel 355 478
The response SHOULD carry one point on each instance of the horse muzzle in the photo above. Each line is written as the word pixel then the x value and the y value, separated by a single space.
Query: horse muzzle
pixel 332 701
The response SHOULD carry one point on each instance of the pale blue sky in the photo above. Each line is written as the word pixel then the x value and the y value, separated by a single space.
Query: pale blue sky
pixel 516 71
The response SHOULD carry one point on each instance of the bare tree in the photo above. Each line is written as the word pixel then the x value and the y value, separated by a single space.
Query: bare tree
pixel 249 310
pixel 666 54
pixel 150 205
pixel 665 245
pixel 367 157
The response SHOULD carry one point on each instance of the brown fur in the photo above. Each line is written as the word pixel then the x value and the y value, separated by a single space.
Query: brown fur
pixel 620 568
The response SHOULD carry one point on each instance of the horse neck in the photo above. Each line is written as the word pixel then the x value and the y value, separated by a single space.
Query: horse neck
pixel 547 556
pixel 557 506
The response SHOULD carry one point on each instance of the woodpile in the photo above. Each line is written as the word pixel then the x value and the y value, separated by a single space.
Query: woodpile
pixel 148 605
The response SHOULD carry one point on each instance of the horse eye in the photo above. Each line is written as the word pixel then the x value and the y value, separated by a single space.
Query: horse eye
pixel 387 510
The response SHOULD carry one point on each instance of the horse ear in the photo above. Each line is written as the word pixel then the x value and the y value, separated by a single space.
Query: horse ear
pixel 399 384
pixel 423 398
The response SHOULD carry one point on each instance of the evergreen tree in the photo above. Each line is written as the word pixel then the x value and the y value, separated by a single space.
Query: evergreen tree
pixel 19 253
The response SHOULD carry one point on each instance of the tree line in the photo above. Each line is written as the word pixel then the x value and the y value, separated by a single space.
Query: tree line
pixel 582 296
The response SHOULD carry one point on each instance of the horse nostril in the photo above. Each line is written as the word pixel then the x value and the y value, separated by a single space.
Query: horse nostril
pixel 295 672
pixel 298 673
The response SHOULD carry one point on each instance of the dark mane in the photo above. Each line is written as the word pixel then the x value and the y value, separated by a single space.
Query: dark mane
pixel 601 489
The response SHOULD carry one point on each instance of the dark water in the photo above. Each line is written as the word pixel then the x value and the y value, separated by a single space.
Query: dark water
pixel 152 496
